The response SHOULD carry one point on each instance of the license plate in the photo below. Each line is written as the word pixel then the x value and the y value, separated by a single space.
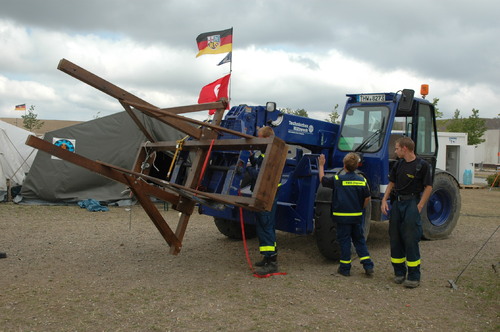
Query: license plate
pixel 371 98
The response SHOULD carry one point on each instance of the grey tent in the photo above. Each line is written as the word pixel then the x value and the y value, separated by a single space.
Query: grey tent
pixel 113 139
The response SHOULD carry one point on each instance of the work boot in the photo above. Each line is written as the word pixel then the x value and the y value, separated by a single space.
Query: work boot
pixel 345 273
pixel 270 265
pixel 369 272
pixel 3 255
pixel 262 262
pixel 411 283
pixel 399 279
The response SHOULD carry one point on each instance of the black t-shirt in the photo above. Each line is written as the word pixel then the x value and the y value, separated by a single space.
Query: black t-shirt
pixel 412 177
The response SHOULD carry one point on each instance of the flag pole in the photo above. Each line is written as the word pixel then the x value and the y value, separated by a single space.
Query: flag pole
pixel 231 66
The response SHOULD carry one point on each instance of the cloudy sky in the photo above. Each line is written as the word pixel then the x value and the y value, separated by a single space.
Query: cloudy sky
pixel 300 54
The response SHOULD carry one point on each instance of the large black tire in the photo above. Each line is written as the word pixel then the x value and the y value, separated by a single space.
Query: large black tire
pixel 440 215
pixel 325 229
pixel 232 229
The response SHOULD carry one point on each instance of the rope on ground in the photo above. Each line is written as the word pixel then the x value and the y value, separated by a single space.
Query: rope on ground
pixel 249 261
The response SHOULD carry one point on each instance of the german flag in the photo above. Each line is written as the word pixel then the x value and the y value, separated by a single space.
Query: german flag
pixel 21 107
pixel 215 42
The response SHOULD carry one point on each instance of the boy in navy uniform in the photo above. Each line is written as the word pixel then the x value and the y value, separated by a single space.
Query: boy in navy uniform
pixel 349 197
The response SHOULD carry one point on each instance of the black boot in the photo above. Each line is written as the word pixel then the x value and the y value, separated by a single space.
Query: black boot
pixel 270 265
pixel 3 255
pixel 262 262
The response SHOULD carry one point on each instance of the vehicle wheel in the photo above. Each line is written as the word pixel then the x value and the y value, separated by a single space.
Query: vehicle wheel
pixel 440 216
pixel 367 221
pixel 326 230
pixel 326 233
pixel 232 229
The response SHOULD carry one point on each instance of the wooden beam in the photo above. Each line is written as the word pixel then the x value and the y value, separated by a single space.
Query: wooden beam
pixel 221 104
pixel 253 143
pixel 154 112
pixel 116 92
pixel 153 213
pixel 138 122
pixel 101 168
pixel 97 82
pixel 269 175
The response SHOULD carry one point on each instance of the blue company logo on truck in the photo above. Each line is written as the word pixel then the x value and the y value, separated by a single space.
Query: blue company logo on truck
pixel 300 128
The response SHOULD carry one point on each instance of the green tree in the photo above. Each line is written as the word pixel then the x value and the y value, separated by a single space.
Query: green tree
pixel 455 125
pixel 30 121
pixel 334 116
pixel 473 126
pixel 436 108
pixel 299 112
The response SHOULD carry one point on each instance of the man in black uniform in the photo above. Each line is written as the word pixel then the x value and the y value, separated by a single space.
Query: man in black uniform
pixel 349 197
pixel 411 179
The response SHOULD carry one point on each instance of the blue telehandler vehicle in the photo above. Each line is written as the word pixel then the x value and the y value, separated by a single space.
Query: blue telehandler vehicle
pixel 370 125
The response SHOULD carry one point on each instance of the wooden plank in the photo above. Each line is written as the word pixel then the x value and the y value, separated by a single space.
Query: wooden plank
pixel 153 213
pixel 97 82
pixel 472 186
pixel 154 112
pixel 138 122
pixel 252 143
pixel 243 201
pixel 114 91
pixel 196 107
pixel 269 175
pixel 101 168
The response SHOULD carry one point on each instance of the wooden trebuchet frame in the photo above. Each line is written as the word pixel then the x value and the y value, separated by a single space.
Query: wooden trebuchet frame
pixel 183 198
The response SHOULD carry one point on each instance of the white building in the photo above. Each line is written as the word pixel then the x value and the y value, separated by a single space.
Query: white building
pixel 454 155
pixel 488 152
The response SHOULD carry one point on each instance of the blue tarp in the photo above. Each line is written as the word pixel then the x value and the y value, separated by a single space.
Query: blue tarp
pixel 92 205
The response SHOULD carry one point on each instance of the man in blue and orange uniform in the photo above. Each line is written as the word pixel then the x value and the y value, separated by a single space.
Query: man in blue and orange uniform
pixel 349 198
pixel 411 179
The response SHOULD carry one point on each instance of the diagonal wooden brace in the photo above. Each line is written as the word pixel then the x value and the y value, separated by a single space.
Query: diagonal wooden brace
pixel 141 189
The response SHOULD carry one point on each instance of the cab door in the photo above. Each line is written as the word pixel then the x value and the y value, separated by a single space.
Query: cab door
pixel 424 133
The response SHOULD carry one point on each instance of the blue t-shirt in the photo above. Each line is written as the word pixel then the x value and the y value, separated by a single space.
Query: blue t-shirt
pixel 348 197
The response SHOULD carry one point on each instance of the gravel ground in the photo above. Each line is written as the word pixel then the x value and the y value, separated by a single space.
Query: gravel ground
pixel 72 270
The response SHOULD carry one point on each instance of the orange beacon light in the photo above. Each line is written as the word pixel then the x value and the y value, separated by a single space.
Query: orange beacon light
pixel 424 90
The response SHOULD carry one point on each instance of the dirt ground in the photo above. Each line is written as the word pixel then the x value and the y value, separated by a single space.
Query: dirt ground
pixel 72 270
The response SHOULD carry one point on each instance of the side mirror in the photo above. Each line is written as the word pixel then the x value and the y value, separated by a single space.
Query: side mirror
pixel 270 106
pixel 406 102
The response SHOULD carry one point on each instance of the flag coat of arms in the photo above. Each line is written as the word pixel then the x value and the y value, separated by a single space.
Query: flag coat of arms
pixel 215 42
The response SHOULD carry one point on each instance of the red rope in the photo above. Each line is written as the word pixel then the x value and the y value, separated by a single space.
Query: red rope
pixel 205 164
pixel 249 261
